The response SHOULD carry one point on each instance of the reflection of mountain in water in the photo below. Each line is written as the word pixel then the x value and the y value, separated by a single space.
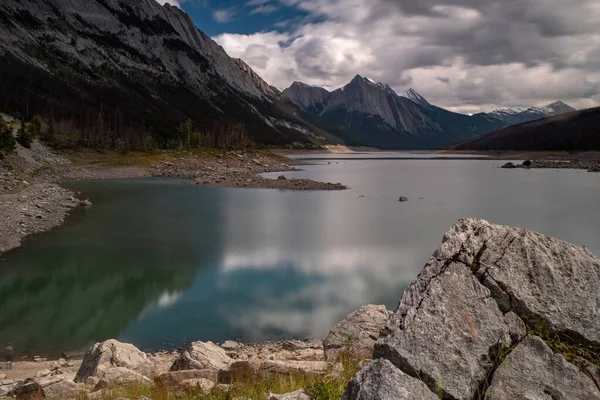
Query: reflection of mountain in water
pixel 88 280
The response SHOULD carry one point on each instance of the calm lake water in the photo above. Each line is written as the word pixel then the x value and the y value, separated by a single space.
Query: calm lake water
pixel 159 263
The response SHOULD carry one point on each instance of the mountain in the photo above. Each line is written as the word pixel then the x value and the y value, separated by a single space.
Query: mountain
pixel 118 71
pixel 309 98
pixel 415 97
pixel 513 116
pixel 367 113
pixel 575 131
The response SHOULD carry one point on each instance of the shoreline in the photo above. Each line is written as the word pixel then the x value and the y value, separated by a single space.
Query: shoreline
pixel 32 199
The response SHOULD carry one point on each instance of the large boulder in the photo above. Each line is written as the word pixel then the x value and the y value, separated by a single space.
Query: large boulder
pixel 533 371
pixel 381 380
pixel 113 354
pixel 476 298
pixel 202 355
pixel 357 332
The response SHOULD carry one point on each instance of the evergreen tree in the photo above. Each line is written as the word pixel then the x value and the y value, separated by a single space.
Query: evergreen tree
pixel 7 140
pixel 25 136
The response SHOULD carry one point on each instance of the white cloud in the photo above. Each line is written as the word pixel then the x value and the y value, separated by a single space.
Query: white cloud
pixel 264 9
pixel 489 53
pixel 224 15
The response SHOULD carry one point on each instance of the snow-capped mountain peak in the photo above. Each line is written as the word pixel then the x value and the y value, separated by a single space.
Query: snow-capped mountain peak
pixel 415 97
pixel 512 116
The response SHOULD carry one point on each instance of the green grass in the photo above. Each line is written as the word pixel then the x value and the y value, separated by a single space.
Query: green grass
pixel 319 387
pixel 571 349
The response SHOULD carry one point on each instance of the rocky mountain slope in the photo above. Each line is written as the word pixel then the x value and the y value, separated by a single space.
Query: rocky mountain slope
pixel 373 114
pixel 576 131
pixel 365 112
pixel 130 71
pixel 497 313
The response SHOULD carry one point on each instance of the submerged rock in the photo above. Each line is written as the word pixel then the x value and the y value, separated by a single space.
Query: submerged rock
pixel 357 333
pixel 403 199
pixel 460 325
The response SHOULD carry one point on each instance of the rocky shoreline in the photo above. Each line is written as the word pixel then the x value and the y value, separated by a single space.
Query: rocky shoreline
pixel 498 312
pixel 32 200
pixel 587 165
pixel 238 169
pixel 201 368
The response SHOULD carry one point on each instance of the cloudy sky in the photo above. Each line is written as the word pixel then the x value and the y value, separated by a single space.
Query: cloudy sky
pixel 466 55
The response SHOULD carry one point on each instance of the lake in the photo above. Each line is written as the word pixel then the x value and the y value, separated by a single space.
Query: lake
pixel 159 263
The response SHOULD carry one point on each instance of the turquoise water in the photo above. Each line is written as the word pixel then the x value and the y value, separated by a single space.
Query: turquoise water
pixel 160 263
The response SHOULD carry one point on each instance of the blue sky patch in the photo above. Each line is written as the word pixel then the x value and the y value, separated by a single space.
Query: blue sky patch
pixel 214 17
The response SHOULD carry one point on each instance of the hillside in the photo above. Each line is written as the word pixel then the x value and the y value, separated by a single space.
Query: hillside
pixel 576 131
pixel 128 73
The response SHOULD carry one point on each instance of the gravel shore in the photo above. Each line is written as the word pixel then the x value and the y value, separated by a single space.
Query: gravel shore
pixel 238 169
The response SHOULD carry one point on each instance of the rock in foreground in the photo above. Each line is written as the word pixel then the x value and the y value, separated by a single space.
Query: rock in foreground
pixel 357 333
pixel 103 360
pixel 202 355
pixel 461 326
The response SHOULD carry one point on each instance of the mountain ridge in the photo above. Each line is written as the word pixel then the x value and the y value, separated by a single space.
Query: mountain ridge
pixel 130 72
pixel 574 131
pixel 381 117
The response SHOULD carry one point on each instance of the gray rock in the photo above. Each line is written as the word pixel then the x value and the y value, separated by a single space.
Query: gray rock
pixel 545 279
pixel 297 395
pixel 43 373
pixel 202 355
pixel 446 330
pixel 241 370
pixel 357 332
pixel 111 354
pixel 6 386
pixel 86 203
pixel 46 388
pixel 287 367
pixel 118 376
pixel 509 165
pixel 469 302
pixel 170 378
pixel 230 345
pixel 282 178
pixel 533 371
pixel 381 380
pixel 205 385
pixel 403 199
